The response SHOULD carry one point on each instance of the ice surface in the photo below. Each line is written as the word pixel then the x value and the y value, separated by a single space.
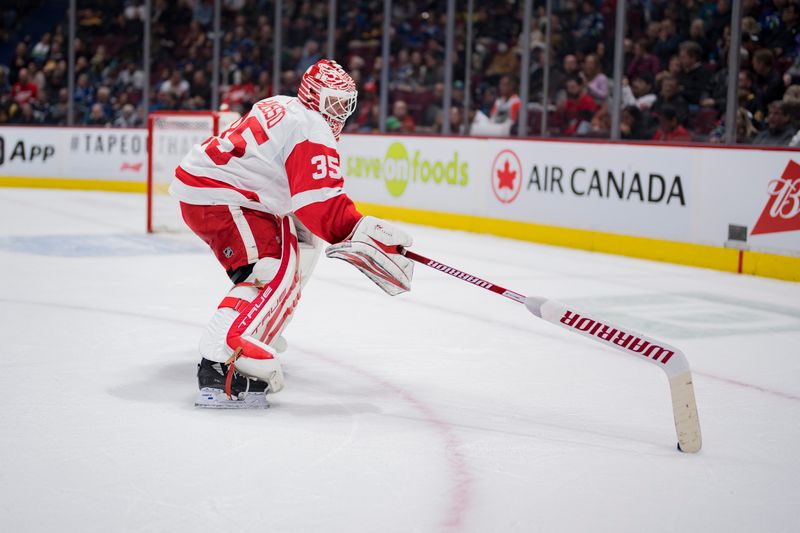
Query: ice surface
pixel 445 409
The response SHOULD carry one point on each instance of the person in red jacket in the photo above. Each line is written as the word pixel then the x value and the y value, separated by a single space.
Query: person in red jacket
pixel 578 109
pixel 670 129
pixel 263 195
pixel 24 91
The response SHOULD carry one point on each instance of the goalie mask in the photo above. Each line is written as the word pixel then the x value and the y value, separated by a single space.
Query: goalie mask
pixel 327 89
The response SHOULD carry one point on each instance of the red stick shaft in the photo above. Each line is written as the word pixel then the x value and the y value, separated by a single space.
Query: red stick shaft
pixel 469 278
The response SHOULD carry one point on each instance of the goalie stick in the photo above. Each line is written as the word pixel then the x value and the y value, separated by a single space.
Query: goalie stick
pixel 669 358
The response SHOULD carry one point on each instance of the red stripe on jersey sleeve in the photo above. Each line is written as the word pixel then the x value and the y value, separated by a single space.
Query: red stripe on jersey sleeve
pixel 209 183
pixel 312 166
pixel 332 220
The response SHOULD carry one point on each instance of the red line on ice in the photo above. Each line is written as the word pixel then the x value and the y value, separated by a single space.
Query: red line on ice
pixel 461 491
pixel 748 386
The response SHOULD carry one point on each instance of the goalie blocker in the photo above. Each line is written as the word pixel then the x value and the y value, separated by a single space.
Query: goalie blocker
pixel 373 249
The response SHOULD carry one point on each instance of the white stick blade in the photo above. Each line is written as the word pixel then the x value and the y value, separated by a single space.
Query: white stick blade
pixel 684 408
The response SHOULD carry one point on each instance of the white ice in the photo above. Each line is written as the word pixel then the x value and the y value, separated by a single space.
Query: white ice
pixel 445 409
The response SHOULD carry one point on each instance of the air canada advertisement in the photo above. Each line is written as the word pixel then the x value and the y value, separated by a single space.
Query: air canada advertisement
pixel 684 194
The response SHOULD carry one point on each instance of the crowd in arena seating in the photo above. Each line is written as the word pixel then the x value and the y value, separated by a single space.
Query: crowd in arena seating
pixel 674 87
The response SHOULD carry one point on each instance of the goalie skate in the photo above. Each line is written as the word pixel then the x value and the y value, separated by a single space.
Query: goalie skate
pixel 209 398
pixel 213 380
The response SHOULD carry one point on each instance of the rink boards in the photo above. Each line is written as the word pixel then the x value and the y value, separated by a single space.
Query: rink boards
pixel 736 210
pixel 732 209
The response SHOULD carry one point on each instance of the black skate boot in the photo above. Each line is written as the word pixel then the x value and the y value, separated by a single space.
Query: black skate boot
pixel 221 390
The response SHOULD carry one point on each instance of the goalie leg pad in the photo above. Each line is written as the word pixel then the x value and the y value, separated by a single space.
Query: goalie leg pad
pixel 251 317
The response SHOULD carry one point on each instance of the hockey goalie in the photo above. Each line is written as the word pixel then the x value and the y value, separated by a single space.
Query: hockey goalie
pixel 263 195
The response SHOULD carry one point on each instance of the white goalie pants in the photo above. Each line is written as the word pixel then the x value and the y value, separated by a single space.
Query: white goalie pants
pixel 254 313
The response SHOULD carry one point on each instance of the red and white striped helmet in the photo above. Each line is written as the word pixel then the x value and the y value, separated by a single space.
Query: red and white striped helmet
pixel 327 89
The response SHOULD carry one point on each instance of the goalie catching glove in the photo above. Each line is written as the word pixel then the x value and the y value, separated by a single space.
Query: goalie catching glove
pixel 374 249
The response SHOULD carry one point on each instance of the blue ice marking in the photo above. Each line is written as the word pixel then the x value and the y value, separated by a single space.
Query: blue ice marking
pixel 98 245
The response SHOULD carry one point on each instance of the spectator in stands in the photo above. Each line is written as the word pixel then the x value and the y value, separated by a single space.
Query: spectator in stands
pixel 457 94
pixel 779 127
pixel 579 108
pixel 26 114
pixel 200 85
pixel 263 86
pixel 97 116
pixel 310 56
pixel 670 96
pixel 668 41
pixel 767 83
pixel 745 129
pixel 631 125
pixel 652 32
pixel 418 76
pixel 506 106
pixel 56 112
pixel 643 61
pixel 639 93
pixel 228 72
pixel 670 129
pixel 569 67
pixel 131 77
pixel 720 18
pixel 792 74
pixel 239 96
pixel 433 69
pixel 693 78
pixel 40 106
pixel 486 100
pixel 402 72
pixel 792 94
pixel 600 123
pixel 103 99
pixel 504 62
pixel 8 108
pixel 673 68
pixel 365 118
pixel 175 85
pixel 127 118
pixel 433 110
pixel 400 120
pixel 456 122
pixel 37 77
pixel 697 33
pixel 537 71
pixel 747 98
pixel 597 84
pixel 784 41
pixel 589 27
pixel 135 10
pixel 24 90
pixel 83 95
pixel 164 102
pixel 289 83
pixel 19 61
pixel 203 11
pixel 42 49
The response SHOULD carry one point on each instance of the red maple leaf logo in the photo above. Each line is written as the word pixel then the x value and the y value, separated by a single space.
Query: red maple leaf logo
pixel 505 177
pixel 782 212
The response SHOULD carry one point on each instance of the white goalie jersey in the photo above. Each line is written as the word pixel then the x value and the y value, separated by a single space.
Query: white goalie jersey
pixel 280 158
